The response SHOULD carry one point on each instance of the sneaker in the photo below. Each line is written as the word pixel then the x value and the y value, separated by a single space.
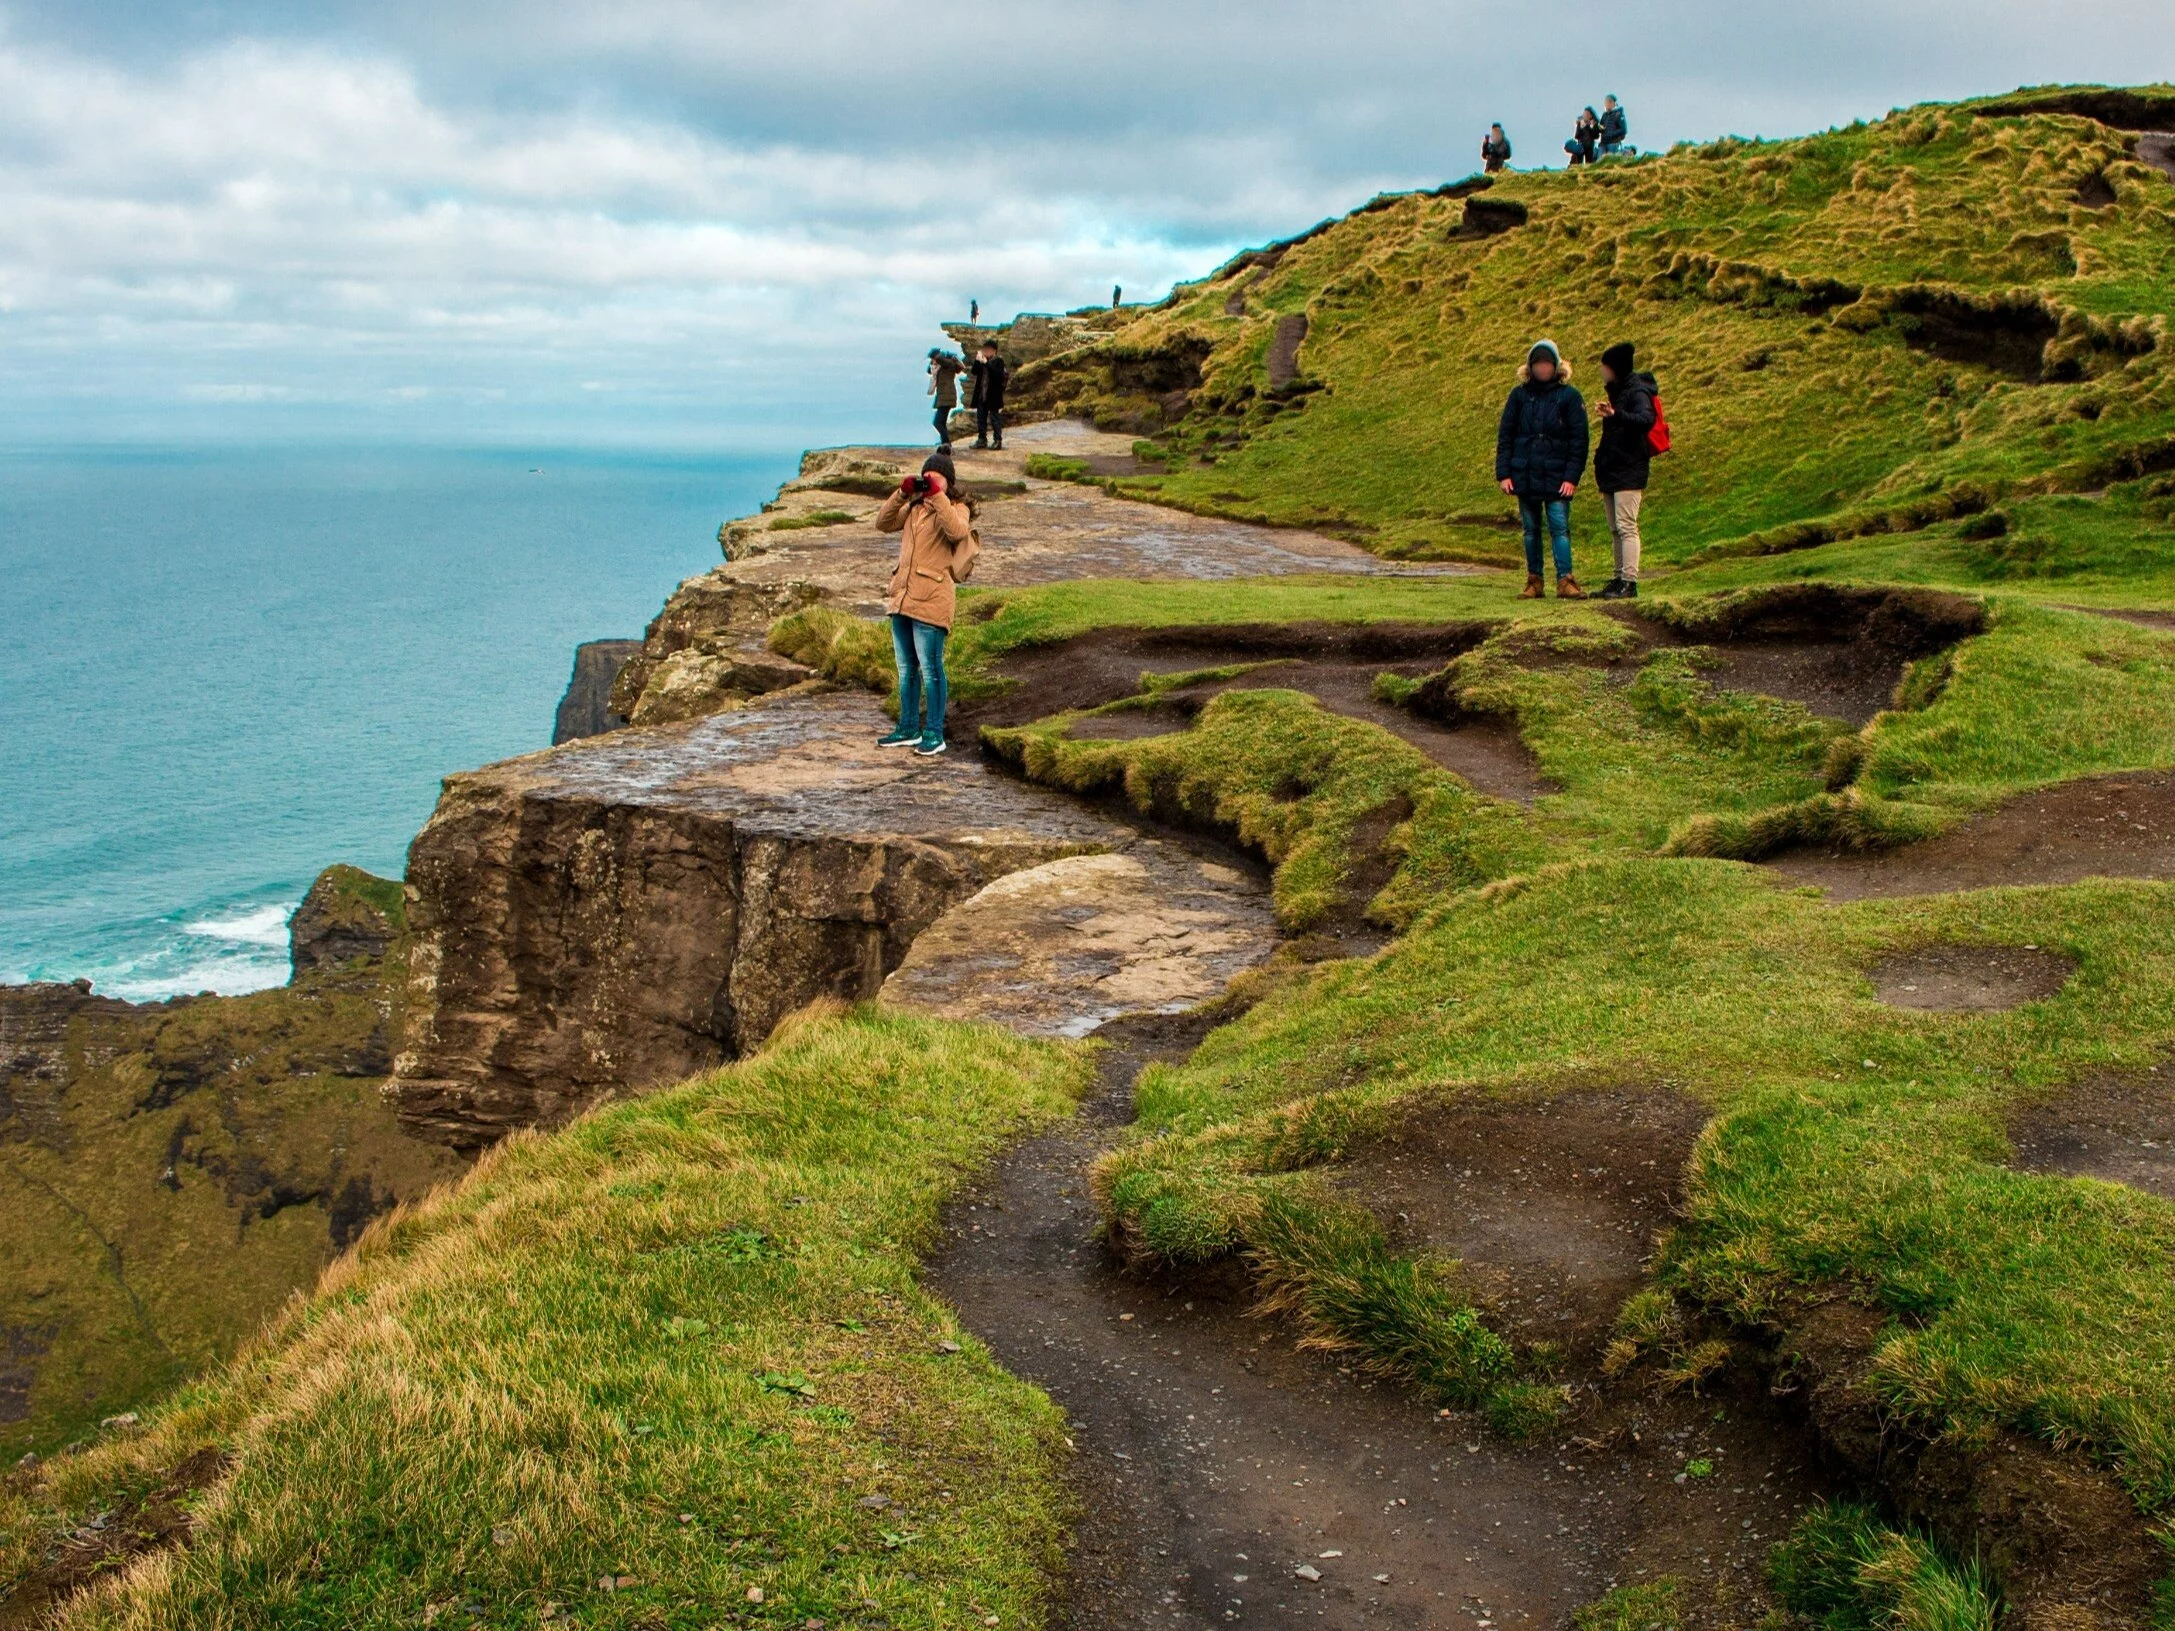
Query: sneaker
pixel 1612 590
pixel 998 445
pixel 1567 589
pixel 1631 589
pixel 929 747
pixel 899 739
pixel 981 447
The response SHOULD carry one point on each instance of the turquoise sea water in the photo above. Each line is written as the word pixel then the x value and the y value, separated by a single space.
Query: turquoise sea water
pixel 221 671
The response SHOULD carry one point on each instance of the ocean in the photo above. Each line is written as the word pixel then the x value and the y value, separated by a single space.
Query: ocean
pixel 221 671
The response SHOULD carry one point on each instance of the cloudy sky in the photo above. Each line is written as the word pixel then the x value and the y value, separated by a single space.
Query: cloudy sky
pixel 674 221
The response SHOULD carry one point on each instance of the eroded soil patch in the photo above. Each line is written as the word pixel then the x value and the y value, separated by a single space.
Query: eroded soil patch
pixel 2117 1127
pixel 1552 1204
pixel 1216 1459
pixel 2096 827
pixel 1970 979
pixel 1334 664
pixel 106 1541
pixel 1840 652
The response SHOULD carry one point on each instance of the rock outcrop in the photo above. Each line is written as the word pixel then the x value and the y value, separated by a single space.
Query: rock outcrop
pixel 170 1173
pixel 618 913
pixel 586 709
pixel 347 914
pixel 704 652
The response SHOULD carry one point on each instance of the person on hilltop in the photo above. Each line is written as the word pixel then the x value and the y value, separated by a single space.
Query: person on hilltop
pixel 1620 464
pixel 937 548
pixel 1540 452
pixel 986 397
pixel 1585 137
pixel 1615 128
pixel 1494 149
pixel 944 372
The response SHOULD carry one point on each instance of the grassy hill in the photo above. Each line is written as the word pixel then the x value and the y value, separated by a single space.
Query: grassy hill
pixel 1956 311
pixel 672 1366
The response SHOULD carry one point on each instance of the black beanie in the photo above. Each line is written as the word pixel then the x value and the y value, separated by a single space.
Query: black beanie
pixel 1618 359
pixel 942 464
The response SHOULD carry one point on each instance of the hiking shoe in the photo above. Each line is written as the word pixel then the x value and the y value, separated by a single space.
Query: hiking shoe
pixel 980 447
pixel 929 746
pixel 1568 589
pixel 899 739
pixel 1611 590
pixel 1631 589
pixel 1534 588
pixel 998 445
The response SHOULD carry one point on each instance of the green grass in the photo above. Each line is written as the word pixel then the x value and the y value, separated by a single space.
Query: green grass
pixel 1651 1605
pixel 1844 1570
pixel 814 518
pixel 1293 782
pixel 1857 1150
pixel 1790 294
pixel 704 1303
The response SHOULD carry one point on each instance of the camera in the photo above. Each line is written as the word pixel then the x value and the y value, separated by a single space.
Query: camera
pixel 917 486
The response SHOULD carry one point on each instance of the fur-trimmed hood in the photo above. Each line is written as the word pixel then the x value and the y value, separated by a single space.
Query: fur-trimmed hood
pixel 1563 368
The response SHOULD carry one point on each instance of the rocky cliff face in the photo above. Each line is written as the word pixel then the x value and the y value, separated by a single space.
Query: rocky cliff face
pixel 621 912
pixel 171 1172
pixel 347 914
pixel 586 709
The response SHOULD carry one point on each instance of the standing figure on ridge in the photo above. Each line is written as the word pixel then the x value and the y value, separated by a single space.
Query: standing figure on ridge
pixel 1615 128
pixel 1585 137
pixel 937 547
pixel 986 397
pixel 1540 452
pixel 944 372
pixel 1494 149
pixel 1629 413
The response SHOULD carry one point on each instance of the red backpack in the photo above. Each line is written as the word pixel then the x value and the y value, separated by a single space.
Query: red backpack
pixel 1657 437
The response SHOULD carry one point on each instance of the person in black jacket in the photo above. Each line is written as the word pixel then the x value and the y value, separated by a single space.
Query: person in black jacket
pixel 1621 463
pixel 1585 137
pixel 987 397
pixel 1540 452
pixel 1615 128
pixel 1494 149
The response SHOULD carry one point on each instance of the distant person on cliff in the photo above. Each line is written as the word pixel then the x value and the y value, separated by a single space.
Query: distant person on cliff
pixel 944 372
pixel 1585 138
pixel 1615 128
pixel 1621 462
pixel 987 397
pixel 1494 149
pixel 1540 452
pixel 937 547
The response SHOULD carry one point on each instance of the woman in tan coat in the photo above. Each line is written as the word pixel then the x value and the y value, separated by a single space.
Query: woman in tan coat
pixel 937 547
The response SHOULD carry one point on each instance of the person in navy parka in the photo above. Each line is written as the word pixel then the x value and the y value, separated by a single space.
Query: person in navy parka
pixel 1540 454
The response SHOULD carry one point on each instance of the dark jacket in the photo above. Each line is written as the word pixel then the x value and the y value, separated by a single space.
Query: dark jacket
pixel 1614 126
pixel 1493 151
pixel 1541 441
pixel 1620 463
pixel 988 388
pixel 944 375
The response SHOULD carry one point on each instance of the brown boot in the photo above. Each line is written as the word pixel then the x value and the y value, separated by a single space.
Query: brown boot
pixel 1534 588
pixel 1568 589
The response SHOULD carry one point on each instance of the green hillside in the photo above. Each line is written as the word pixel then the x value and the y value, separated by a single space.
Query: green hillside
pixel 1955 310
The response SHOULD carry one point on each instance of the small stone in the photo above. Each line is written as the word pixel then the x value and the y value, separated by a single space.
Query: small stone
pixel 1307 1571
pixel 503 1535
pixel 1125 1316
pixel 755 1594
pixel 948 1347
pixel 1380 1579
pixel 687 1517
pixel 127 1418
pixel 1329 1554
pixel 873 1503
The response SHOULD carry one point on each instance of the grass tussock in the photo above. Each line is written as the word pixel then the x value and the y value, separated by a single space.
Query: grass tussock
pixel 676 1348
pixel 841 647
pixel 1844 1570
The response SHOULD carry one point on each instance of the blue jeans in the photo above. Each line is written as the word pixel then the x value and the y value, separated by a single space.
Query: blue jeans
pixel 1556 514
pixel 918 649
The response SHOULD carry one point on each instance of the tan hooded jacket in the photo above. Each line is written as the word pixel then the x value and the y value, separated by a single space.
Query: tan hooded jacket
pixel 937 548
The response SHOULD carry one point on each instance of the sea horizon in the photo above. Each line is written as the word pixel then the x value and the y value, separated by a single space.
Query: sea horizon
pixel 228 665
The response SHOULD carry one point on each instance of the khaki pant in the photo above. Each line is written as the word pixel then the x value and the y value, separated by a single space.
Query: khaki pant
pixel 1623 511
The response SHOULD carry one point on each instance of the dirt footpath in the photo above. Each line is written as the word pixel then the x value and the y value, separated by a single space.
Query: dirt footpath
pixel 1230 1479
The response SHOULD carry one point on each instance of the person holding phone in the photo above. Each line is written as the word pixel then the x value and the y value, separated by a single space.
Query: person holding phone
pixel 937 547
